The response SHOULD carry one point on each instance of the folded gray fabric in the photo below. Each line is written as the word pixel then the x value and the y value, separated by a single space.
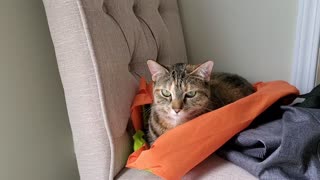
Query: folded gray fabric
pixel 283 148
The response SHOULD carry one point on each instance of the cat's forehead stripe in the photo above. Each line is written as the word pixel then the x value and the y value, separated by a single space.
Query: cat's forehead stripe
pixel 179 76
pixel 178 73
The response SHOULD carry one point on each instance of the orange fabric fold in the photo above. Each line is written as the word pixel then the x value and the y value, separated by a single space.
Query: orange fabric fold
pixel 179 150
pixel 143 97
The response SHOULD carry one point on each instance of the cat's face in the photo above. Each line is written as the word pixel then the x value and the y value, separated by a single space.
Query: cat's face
pixel 181 92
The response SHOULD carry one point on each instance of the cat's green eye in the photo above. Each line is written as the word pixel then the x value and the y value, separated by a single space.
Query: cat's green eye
pixel 191 94
pixel 165 93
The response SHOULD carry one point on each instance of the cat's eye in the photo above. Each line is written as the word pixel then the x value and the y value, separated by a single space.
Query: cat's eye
pixel 165 93
pixel 191 94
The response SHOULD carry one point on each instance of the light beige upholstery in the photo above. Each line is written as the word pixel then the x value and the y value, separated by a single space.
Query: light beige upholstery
pixel 101 48
pixel 213 168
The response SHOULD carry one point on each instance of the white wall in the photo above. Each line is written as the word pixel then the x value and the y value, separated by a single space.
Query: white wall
pixel 252 38
pixel 35 135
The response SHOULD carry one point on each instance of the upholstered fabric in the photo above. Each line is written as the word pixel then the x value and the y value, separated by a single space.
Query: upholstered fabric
pixel 213 167
pixel 101 45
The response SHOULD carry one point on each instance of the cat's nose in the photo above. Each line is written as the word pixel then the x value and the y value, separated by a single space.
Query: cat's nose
pixel 177 110
pixel 177 105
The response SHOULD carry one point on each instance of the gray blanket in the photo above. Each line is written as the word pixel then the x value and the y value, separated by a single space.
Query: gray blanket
pixel 285 146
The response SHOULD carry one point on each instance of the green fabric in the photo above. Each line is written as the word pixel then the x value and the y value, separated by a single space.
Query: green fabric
pixel 138 140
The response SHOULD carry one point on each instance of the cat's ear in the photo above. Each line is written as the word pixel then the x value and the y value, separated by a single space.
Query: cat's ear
pixel 204 70
pixel 156 69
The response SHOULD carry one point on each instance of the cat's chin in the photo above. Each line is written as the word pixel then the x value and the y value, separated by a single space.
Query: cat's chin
pixel 175 119
pixel 178 119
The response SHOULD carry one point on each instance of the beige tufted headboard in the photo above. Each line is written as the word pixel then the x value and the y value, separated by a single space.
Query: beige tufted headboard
pixel 101 46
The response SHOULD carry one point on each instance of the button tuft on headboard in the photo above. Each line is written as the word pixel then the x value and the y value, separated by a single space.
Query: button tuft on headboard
pixel 134 7
pixel 149 30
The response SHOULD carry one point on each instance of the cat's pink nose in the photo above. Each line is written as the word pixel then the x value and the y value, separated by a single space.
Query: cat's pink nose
pixel 177 110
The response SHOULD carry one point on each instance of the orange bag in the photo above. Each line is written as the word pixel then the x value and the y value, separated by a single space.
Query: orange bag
pixel 179 150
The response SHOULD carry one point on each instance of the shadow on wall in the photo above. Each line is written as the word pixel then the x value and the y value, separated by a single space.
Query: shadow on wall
pixel 35 135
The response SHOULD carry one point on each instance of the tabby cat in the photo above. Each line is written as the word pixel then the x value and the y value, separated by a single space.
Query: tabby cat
pixel 184 91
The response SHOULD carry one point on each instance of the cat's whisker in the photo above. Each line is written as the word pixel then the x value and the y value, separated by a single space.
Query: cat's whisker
pixel 208 109
pixel 147 112
pixel 214 102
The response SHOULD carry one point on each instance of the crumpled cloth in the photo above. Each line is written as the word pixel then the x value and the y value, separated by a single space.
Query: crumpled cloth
pixel 282 143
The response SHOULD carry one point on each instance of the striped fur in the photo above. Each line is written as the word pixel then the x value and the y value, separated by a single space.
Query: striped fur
pixel 212 92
